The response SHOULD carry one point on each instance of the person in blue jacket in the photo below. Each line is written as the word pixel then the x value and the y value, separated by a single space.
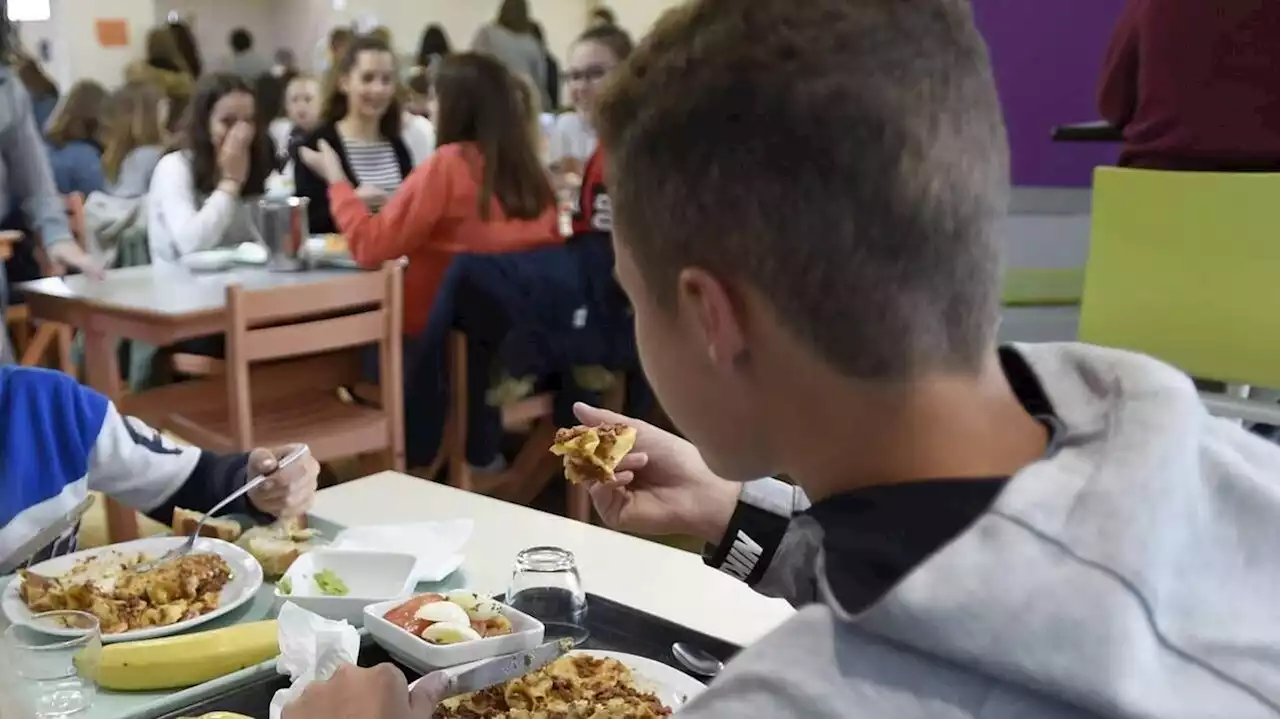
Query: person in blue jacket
pixel 59 440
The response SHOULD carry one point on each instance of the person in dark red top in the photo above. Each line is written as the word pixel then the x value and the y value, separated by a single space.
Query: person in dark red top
pixel 592 210
pixel 1195 84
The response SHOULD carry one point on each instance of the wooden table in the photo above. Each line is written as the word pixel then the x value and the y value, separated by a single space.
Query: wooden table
pixel 667 582
pixel 156 304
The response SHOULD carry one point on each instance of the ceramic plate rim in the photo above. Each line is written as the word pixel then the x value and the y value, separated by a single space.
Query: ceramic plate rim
pixel 644 670
pixel 240 560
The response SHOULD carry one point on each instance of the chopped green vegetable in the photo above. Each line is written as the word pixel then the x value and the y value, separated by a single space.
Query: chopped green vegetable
pixel 331 584
pixel 285 586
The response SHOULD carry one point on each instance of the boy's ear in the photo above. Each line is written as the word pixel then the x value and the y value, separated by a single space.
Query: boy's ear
pixel 715 313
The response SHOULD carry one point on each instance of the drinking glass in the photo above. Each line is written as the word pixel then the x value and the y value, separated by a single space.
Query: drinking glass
pixel 55 672
pixel 283 225
pixel 546 586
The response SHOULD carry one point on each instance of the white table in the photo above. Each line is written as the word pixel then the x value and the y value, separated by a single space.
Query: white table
pixel 654 578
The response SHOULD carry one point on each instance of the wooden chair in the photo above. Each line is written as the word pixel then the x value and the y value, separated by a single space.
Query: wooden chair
pixel 534 466
pixel 302 343
pixel 33 348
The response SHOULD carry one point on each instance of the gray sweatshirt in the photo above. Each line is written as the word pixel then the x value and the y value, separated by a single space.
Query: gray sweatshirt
pixel 1132 573
pixel 25 176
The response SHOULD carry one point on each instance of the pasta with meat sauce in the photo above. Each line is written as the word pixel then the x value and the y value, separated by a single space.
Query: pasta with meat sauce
pixel 124 600
pixel 575 687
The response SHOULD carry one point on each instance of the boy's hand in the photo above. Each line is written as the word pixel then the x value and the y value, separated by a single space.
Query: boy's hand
pixel 381 692
pixel 663 486
pixel 290 492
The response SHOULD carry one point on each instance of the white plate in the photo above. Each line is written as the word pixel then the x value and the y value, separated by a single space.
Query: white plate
pixel 416 653
pixel 246 578
pixel 208 260
pixel 672 686
pixel 371 577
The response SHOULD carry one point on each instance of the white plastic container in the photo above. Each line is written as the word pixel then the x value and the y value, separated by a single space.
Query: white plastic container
pixel 371 577
pixel 416 653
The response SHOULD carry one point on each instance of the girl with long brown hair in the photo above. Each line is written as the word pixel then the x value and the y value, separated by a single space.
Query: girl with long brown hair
pixel 165 67
pixel 74 139
pixel 483 190
pixel 510 38
pixel 133 138
pixel 363 121
pixel 221 156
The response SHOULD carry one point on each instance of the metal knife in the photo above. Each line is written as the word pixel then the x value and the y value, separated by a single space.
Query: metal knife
pixel 43 538
pixel 493 672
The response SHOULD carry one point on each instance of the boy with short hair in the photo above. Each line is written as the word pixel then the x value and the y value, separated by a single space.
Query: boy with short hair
pixel 805 197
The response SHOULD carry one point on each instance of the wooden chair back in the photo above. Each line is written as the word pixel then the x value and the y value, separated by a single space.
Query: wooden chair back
pixel 291 322
pixel 534 466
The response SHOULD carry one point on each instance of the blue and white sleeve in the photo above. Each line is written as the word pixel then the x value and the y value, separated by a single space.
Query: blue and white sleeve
pixel 59 440
pixel 136 464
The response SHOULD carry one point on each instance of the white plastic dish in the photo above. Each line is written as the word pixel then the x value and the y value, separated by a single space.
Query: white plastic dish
pixel 416 653
pixel 371 577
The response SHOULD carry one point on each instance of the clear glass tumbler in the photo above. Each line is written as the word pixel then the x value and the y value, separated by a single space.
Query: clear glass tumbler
pixel 546 585
pixel 55 671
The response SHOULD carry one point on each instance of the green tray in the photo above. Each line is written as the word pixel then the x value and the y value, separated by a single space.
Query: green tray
pixel 145 705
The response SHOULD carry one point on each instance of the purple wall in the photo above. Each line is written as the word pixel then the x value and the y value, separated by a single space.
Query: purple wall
pixel 1048 62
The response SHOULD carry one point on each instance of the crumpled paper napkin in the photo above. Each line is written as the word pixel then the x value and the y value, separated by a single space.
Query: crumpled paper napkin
pixel 312 649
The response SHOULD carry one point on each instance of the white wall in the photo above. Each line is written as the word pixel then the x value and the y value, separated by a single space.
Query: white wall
pixel 213 20
pixel 562 20
pixel 637 16
pixel 71 32
pixel 300 25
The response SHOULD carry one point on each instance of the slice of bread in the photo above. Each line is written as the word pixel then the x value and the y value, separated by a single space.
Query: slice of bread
pixel 185 522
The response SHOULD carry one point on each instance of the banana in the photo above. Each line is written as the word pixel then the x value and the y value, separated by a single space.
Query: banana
pixel 182 661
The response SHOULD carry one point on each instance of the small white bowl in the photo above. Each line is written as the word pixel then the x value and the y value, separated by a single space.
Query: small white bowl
pixel 370 577
pixel 416 653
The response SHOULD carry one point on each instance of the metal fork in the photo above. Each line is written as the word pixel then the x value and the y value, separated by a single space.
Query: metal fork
pixel 185 548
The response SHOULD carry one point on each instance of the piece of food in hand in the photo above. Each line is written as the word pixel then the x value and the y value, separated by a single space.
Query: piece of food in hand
pixel 450 633
pixel 591 454
pixel 277 547
pixel 330 584
pixel 185 522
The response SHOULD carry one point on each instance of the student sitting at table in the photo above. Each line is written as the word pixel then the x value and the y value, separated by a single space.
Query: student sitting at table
pixel 1195 85
pixel 74 139
pixel 364 125
pixel 59 440
pixel 133 139
pixel 1045 531
pixel 482 191
pixel 222 156
pixel 301 117
pixel 593 57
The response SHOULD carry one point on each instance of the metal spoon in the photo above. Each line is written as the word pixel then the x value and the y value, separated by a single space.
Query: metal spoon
pixel 696 660
pixel 186 547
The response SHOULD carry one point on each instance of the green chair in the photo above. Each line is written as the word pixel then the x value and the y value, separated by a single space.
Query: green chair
pixel 1186 267
pixel 1042 287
